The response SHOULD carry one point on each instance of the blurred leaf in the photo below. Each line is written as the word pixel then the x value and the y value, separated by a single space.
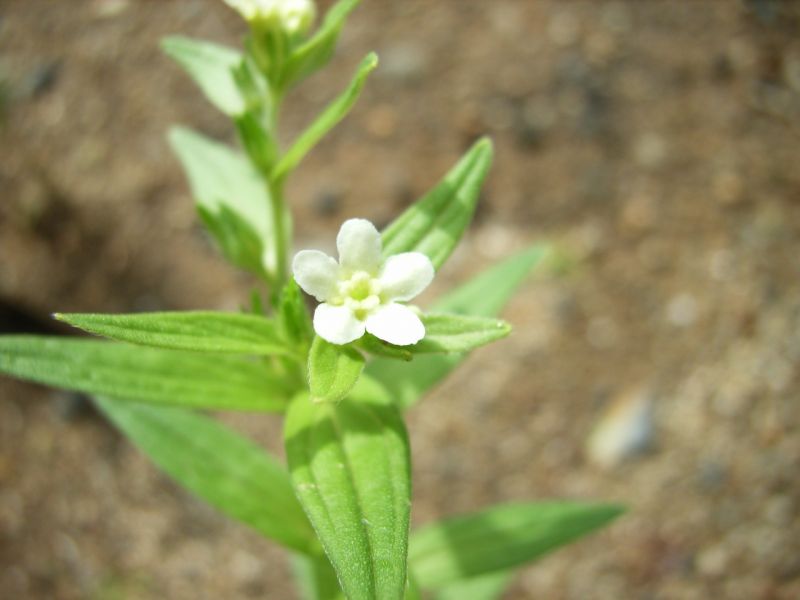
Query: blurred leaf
pixel 192 330
pixel 349 464
pixel 485 295
pixel 486 587
pixel 317 51
pixel 218 465
pixel 373 345
pixel 239 243
pixel 222 178
pixel 499 538
pixel 293 315
pixel 457 333
pixel 434 224
pixel 257 142
pixel 332 370
pixel 211 67
pixel 333 113
pixel 315 578
pixel 144 374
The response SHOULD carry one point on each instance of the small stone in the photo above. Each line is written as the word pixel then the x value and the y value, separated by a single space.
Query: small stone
pixel 403 63
pixel 713 561
pixel 639 213
pixel 682 310
pixel 650 150
pixel 728 188
pixel 721 265
pixel 624 430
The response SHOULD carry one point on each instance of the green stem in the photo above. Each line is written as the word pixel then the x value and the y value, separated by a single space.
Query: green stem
pixel 280 222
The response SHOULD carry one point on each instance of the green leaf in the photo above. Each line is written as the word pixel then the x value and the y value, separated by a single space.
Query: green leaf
pixel 372 345
pixel 349 463
pixel 293 315
pixel 485 295
pixel 316 578
pixel 211 67
pixel 333 113
pixel 486 587
pixel 256 140
pixel 223 468
pixel 222 178
pixel 237 240
pixel 317 51
pixel 332 370
pixel 499 538
pixel 201 331
pixel 457 333
pixel 144 374
pixel 435 223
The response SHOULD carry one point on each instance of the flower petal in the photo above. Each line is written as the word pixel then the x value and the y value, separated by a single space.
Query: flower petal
pixel 337 324
pixel 316 272
pixel 359 245
pixel 396 324
pixel 405 275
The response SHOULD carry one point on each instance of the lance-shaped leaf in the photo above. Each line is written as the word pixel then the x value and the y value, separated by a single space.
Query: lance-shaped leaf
pixel 333 113
pixel 238 241
pixel 221 178
pixel 220 466
pixel 211 66
pixel 349 464
pixel 435 223
pixel 485 587
pixel 485 295
pixel 315 578
pixel 332 370
pixel 144 374
pixel 458 333
pixel 317 51
pixel 200 331
pixel 499 538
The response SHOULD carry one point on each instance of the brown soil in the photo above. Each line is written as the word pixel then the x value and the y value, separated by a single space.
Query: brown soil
pixel 656 141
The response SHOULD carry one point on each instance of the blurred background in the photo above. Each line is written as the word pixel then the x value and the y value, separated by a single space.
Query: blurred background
pixel 655 142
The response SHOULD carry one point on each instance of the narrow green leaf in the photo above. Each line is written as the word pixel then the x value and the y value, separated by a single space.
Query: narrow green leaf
pixel 349 464
pixel 256 140
pixel 201 331
pixel 499 538
pixel 144 374
pixel 317 51
pixel 316 578
pixel 222 178
pixel 372 345
pixel 236 238
pixel 485 587
pixel 223 468
pixel 293 315
pixel 211 67
pixel 485 295
pixel 333 113
pixel 332 370
pixel 435 223
pixel 458 333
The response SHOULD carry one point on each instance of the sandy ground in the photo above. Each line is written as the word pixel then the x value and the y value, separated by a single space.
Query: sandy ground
pixel 656 142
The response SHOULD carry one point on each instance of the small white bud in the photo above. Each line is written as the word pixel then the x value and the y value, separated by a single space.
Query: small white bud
pixel 293 16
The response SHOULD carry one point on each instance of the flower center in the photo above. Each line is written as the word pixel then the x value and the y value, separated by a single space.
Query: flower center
pixel 360 293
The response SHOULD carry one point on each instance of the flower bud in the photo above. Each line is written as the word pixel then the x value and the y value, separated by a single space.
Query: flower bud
pixel 293 16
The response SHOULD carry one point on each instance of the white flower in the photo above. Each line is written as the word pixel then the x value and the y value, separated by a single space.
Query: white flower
pixel 292 15
pixel 361 292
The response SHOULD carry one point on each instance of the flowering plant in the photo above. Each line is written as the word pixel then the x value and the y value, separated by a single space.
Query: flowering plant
pixel 342 379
